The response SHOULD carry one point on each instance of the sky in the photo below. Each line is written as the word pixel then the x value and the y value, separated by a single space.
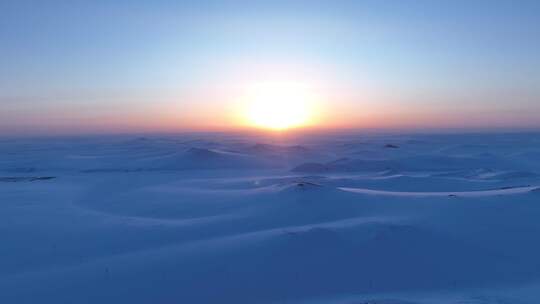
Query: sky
pixel 153 66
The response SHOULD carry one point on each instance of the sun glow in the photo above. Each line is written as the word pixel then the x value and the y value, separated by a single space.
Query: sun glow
pixel 279 106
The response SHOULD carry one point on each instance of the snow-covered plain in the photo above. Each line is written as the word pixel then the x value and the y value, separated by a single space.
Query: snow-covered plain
pixel 229 218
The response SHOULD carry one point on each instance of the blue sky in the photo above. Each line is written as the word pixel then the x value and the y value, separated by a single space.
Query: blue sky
pixel 177 65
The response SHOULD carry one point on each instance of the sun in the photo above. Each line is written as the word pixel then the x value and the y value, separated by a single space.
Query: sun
pixel 279 106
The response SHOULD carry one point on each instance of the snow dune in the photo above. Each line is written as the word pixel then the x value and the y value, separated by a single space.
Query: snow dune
pixel 505 191
pixel 351 218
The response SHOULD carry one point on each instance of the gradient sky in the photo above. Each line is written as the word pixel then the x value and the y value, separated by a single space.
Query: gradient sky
pixel 117 66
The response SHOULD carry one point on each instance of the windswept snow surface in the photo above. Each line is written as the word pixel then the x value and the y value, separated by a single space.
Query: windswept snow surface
pixel 228 218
